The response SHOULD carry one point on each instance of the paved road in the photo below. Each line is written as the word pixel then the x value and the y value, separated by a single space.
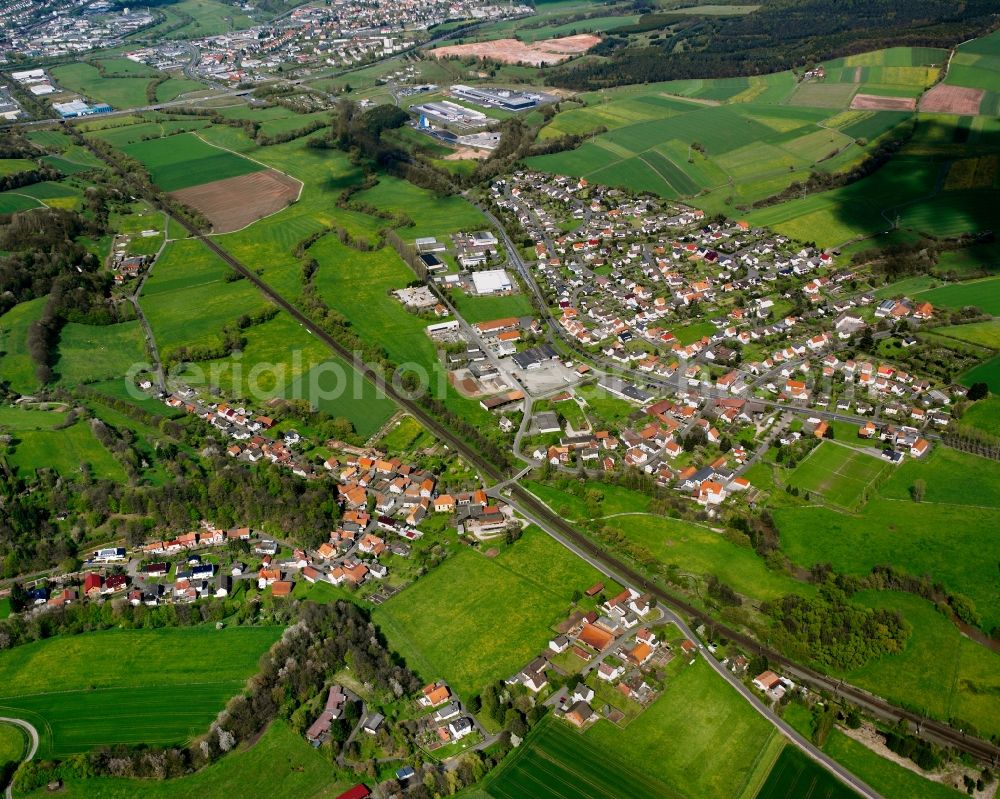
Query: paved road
pixel 32 748
pixel 794 737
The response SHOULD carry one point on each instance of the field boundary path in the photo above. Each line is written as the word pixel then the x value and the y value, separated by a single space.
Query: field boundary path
pixel 32 744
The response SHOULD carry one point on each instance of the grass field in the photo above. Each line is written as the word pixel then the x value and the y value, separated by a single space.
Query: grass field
pixel 939 671
pixel 96 352
pixel 883 775
pixel 984 294
pixel 184 160
pixel 795 776
pixel 433 216
pixel 698 720
pixel 16 365
pixel 475 619
pixel 483 309
pixel 550 766
pixel 124 92
pixel 153 686
pixel 988 372
pixel 280 759
pixel 13 743
pixel 837 473
pixel 11 166
pixel 909 536
pixel 985 415
pixel 64 451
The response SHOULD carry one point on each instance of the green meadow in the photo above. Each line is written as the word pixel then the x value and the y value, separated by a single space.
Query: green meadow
pixel 475 619
pixel 281 759
pixel 16 366
pixel 153 686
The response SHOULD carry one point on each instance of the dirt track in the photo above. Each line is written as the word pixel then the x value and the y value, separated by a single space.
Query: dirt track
pixel 875 102
pixel 945 99
pixel 234 203
pixel 511 51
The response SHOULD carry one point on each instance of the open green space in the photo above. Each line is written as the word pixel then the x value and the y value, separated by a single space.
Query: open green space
pixel 983 294
pixel 483 309
pixel 984 415
pixel 13 743
pixel 85 79
pixel 11 166
pixel 698 720
pixel 187 19
pixel 476 619
pixel 18 418
pixel 177 162
pixel 955 544
pixel 939 672
pixel 97 352
pixel 160 687
pixel 281 759
pixel 950 477
pixel 794 776
pixel 985 334
pixel 886 777
pixel 16 365
pixel 988 372
pixel 65 451
pixel 837 473
pixel 432 215
pixel 153 686
pixel 557 762
pixel 11 202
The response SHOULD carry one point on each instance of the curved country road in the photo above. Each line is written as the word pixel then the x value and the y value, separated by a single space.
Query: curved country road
pixel 32 748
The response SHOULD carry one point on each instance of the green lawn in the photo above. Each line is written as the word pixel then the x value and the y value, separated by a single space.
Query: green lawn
pixel 152 686
pixel 838 473
pixel 484 309
pixel 476 619
pixel 177 162
pixel 986 334
pixel 794 776
pixel 281 759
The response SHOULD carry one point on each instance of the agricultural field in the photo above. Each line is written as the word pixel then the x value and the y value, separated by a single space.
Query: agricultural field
pixel 748 147
pixel 13 743
pixel 66 452
pixel 196 18
pixel 280 759
pixel 908 535
pixel 548 766
pixel 160 687
pixel 12 166
pixel 497 612
pixel 984 294
pixel 886 777
pixel 838 473
pixel 794 775
pixel 983 334
pixel 85 79
pixel 184 160
pixel 432 216
pixel 188 299
pixel 988 372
